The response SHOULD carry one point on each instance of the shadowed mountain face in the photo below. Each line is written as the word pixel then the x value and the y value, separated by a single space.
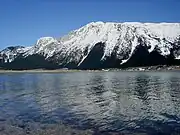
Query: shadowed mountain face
pixel 142 57
pixel 100 45
pixel 93 59
pixel 31 62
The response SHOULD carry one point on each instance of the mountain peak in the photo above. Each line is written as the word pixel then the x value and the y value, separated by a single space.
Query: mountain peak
pixel 95 23
pixel 45 40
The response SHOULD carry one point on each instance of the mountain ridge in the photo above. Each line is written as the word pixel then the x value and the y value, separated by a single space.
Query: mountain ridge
pixel 103 45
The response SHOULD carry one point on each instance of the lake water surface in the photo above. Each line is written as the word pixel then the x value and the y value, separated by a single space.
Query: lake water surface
pixel 103 102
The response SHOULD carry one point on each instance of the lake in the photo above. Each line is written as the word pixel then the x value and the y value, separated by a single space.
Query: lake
pixel 97 102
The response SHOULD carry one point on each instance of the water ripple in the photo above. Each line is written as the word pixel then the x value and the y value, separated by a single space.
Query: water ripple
pixel 105 102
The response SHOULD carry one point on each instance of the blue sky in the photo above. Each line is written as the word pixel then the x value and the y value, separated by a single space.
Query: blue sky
pixel 22 22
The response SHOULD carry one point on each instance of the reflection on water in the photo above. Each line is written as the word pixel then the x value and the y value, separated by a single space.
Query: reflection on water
pixel 126 102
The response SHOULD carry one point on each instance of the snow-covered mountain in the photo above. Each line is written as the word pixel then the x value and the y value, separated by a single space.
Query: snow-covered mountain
pixel 101 45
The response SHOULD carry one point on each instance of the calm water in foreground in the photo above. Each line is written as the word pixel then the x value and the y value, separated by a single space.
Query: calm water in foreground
pixel 102 102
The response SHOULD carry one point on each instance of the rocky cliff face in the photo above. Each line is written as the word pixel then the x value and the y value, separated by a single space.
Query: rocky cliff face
pixel 100 45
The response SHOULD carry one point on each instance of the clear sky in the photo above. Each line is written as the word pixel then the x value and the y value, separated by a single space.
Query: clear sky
pixel 22 22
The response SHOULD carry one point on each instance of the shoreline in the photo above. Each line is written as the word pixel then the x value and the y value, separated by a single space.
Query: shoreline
pixel 130 69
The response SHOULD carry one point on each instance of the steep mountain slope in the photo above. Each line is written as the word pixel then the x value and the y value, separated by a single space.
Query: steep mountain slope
pixel 103 45
pixel 10 53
